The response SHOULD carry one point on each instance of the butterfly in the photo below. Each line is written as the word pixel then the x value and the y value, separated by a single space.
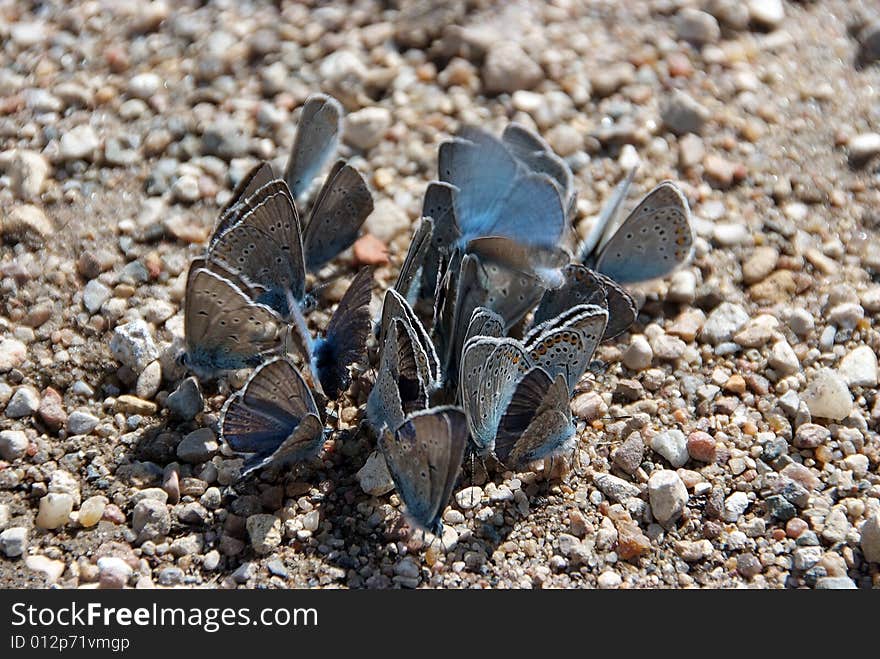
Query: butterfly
pixel 424 456
pixel 537 422
pixel 652 241
pixel 345 339
pixel 223 328
pixel 273 418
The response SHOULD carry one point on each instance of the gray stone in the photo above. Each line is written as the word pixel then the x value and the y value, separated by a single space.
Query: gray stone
pixel 122 150
pixel 28 173
pixel 186 189
pixel 630 454
pixel 169 576
pixel 94 295
pixel 828 396
pixel 836 526
pixel 859 367
pixel 668 496
pixel 366 128
pixel 387 220
pixel 113 572
pixel 615 488
pixel 870 538
pixel 780 508
pixel 149 381
pixel 723 323
pixel 186 546
pixel 13 541
pixel 374 477
pixel 198 446
pixel 835 583
pixel 12 353
pixel 132 344
pixel 144 85
pixel 735 505
pixel 811 435
pixel 264 532
pixel 696 26
pixel 508 68
pixel 55 509
pixel 682 114
pixel 863 147
pixel 79 143
pixel 150 520
pixel 801 322
pixel 803 558
pixel 81 423
pixel 672 445
pixel 13 445
pixel 783 359
pixel 24 402
pixel 225 140
pixel 27 224
pixel 186 401
pixel 768 14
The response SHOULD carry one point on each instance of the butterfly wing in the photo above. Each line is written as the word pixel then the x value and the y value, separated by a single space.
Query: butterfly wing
pixel 652 241
pixel 439 205
pixel 580 286
pixel 568 349
pixel 606 222
pixel 424 457
pixel 317 138
pixel 267 415
pixel 223 329
pixel 475 356
pixel 622 311
pixel 384 405
pixel 265 247
pixel 515 276
pixel 396 306
pixel 503 369
pixel 346 339
pixel 471 293
pixel 413 265
pixel 484 174
pixel 527 398
pixel 337 216
pixel 484 322
pixel 536 155
pixel 550 431
pixel 258 176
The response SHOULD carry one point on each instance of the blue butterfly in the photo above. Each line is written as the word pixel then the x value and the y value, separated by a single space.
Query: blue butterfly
pixel 273 419
pixel 424 456
pixel 652 241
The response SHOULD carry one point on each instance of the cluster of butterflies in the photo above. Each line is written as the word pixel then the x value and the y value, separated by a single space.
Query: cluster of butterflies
pixel 483 337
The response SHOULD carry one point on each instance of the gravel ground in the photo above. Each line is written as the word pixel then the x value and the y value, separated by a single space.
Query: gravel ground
pixel 730 442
